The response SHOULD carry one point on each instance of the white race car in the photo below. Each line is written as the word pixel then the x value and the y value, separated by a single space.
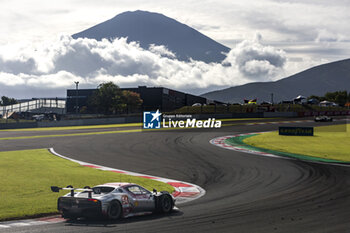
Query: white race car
pixel 323 119
pixel 112 200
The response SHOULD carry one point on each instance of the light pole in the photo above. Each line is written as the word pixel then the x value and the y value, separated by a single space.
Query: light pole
pixel 76 96
pixel 271 98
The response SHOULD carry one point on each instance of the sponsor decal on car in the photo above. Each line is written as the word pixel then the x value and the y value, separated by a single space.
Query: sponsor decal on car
pixel 125 200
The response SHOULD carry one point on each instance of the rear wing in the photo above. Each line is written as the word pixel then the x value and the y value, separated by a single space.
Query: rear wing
pixel 72 190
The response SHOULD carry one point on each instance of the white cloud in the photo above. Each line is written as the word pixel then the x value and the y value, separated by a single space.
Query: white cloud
pixel 55 65
pixel 161 50
pixel 311 32
pixel 256 61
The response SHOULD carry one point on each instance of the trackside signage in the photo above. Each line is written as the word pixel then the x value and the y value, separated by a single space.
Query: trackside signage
pixel 296 131
pixel 155 120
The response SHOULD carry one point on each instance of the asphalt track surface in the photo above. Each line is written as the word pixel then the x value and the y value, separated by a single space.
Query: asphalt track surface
pixel 244 192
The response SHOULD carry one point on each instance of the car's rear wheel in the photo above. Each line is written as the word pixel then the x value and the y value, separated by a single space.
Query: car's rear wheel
pixel 114 210
pixel 165 204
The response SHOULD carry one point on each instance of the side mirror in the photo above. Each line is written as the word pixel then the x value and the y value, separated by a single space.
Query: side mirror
pixel 55 189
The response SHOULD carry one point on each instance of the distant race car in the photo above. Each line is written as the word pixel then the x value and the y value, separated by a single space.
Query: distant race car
pixel 112 200
pixel 323 118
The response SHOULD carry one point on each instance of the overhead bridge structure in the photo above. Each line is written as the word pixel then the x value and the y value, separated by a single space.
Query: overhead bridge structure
pixel 36 106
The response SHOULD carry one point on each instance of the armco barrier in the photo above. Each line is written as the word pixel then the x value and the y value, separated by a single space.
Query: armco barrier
pixel 18 125
pixel 101 121
pixel 229 115
pixel 78 122
pixel 280 114
pixel 320 113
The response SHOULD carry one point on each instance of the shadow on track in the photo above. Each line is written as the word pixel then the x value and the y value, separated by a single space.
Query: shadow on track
pixel 100 222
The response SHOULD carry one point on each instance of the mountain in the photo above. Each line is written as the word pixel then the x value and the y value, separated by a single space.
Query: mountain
pixel 153 28
pixel 318 80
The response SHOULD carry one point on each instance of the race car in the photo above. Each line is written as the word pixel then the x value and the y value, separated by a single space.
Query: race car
pixel 113 201
pixel 323 118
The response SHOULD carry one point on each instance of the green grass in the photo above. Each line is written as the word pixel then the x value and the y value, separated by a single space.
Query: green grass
pixel 328 142
pixel 26 177
pixel 77 127
pixel 72 134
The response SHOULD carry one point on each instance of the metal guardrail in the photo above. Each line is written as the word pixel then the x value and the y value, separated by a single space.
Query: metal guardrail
pixel 33 105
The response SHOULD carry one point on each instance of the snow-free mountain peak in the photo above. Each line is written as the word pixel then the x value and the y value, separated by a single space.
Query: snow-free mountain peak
pixel 153 28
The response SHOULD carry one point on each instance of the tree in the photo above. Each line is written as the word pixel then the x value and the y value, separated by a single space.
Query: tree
pixel 106 99
pixel 131 99
pixel 339 97
pixel 7 101
pixel 110 99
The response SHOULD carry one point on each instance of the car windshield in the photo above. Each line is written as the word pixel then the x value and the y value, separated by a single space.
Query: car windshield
pixel 137 190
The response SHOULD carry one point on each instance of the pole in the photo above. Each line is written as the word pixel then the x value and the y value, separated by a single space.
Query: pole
pixel 271 98
pixel 76 97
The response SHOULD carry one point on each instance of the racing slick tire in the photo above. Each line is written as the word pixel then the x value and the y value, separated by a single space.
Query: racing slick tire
pixel 115 210
pixel 166 204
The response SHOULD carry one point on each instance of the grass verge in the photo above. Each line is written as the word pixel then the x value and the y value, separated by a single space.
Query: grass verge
pixel 26 177
pixel 328 142
pixel 75 127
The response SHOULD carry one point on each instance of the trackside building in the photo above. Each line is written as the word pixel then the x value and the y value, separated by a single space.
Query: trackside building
pixel 161 98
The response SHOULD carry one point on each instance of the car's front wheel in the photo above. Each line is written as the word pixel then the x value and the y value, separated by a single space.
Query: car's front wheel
pixel 114 210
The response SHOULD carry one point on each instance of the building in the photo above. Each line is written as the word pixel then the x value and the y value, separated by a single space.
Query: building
pixel 153 98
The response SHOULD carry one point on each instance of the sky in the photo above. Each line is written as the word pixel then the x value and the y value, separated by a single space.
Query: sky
pixel 269 40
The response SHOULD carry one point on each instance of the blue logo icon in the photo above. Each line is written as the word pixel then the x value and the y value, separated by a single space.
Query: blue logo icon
pixel 151 120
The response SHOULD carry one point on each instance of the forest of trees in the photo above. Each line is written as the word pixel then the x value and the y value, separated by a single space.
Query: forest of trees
pixel 338 97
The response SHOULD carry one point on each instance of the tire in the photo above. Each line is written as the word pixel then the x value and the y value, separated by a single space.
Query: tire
pixel 114 210
pixel 166 204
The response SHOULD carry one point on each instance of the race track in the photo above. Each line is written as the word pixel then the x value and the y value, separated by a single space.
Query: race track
pixel 244 192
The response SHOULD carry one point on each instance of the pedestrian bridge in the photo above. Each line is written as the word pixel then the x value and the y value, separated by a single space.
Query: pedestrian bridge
pixel 36 106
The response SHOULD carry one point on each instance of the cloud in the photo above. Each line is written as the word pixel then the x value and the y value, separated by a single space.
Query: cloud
pixel 324 35
pixel 256 61
pixel 161 50
pixel 55 65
